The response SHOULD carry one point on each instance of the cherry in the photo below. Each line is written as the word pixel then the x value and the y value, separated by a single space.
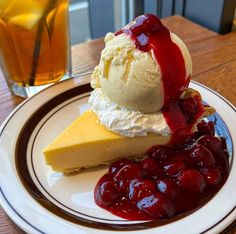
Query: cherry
pixel 140 188
pixel 196 135
pixel 157 206
pixel 217 147
pixel 206 128
pixel 174 168
pixel 161 153
pixel 145 24
pixel 115 166
pixel 187 144
pixel 167 187
pixel 223 143
pixel 179 157
pixel 201 156
pixel 212 143
pixel 212 176
pixel 189 106
pixel 106 193
pixel 222 161
pixel 125 174
pixel 191 181
pixel 151 167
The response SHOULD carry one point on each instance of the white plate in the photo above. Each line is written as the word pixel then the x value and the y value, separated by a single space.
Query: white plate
pixel 42 201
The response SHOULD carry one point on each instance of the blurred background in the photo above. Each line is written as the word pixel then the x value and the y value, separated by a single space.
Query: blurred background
pixel 91 19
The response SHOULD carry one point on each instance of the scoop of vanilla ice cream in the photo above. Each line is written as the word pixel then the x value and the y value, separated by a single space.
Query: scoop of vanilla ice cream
pixel 130 77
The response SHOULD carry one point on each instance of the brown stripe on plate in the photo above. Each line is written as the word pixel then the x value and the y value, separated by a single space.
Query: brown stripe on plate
pixel 27 181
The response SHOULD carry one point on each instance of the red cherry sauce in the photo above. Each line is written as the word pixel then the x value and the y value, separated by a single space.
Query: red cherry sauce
pixel 148 33
pixel 159 186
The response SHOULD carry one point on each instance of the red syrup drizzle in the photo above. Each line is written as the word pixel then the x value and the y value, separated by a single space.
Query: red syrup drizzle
pixel 148 33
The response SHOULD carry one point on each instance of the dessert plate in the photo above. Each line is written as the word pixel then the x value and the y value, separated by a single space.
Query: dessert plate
pixel 42 201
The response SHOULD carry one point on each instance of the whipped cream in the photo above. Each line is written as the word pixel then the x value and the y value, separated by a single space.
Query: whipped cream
pixel 124 121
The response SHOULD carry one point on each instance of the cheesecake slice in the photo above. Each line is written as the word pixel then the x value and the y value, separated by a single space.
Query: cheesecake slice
pixel 87 143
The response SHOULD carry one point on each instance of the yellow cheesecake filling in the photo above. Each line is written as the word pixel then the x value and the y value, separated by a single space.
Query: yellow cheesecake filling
pixel 87 143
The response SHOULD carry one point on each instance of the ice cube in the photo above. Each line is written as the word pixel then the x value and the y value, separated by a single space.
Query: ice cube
pixel 25 14
pixel 26 21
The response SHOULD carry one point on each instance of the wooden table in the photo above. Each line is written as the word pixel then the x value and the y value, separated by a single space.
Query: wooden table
pixel 214 65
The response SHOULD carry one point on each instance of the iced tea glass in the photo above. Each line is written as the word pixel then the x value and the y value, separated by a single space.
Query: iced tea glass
pixel 34 43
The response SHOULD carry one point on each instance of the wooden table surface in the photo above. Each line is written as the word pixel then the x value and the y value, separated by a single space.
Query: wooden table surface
pixel 214 65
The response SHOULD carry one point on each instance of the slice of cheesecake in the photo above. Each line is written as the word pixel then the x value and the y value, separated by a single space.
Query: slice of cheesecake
pixel 87 143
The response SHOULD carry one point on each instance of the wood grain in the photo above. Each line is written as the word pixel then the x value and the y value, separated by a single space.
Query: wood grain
pixel 222 78
pixel 85 57
pixel 187 30
pixel 7 101
pixel 213 53
pixel 7 226
pixel 214 65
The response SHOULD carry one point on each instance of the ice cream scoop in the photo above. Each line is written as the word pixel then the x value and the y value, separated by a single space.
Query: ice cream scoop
pixel 143 66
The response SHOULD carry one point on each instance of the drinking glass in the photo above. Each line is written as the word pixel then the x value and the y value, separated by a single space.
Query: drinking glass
pixel 34 44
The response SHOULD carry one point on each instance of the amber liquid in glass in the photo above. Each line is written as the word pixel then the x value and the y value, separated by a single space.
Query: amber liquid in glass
pixel 34 41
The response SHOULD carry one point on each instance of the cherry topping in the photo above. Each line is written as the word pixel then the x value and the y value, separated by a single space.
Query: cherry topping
pixel 222 161
pixel 187 143
pixel 174 168
pixel 212 176
pixel 125 174
pixel 223 143
pixel 115 166
pixel 106 193
pixel 168 188
pixel 201 156
pixel 189 106
pixel 151 167
pixel 140 188
pixel 160 185
pixel 212 143
pixel 157 206
pixel 161 153
pixel 192 181
pixel 206 128
pixel 146 23
pixel 179 157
